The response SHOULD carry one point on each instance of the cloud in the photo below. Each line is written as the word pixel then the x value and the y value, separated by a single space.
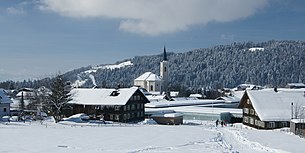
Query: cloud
pixel 15 11
pixel 227 36
pixel 155 17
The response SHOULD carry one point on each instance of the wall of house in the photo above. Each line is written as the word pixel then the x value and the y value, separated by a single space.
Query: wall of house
pixel 132 111
pixel 4 110
pixel 140 84
pixel 155 84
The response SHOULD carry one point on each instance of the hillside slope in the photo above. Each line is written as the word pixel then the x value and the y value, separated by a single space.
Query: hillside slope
pixel 272 63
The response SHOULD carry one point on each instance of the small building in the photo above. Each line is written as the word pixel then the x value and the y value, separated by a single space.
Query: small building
pixel 5 102
pixel 270 108
pixel 295 85
pixel 119 105
pixel 297 126
pixel 168 118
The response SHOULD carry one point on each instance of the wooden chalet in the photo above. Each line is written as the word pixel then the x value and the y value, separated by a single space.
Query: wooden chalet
pixel 119 105
pixel 270 109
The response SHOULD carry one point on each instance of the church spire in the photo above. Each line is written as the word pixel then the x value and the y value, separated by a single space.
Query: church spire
pixel 164 54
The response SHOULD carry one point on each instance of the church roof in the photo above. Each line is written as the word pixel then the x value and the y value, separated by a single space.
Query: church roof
pixel 148 76
pixel 164 54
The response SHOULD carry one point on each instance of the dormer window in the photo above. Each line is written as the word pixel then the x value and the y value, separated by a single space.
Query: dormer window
pixel 115 93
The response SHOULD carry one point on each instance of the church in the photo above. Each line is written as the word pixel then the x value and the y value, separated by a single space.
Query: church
pixel 152 82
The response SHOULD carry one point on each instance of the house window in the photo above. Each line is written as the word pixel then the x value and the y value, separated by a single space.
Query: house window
pixel 151 87
pixel 271 125
pixel 252 111
pixel 262 124
pixel 4 109
pixel 128 116
pixel 111 117
pixel 128 107
pixel 133 107
pixel 248 101
pixel 142 106
pixel 246 110
pixel 164 69
pixel 124 108
pixel 284 124
pixel 138 106
pixel 246 120
pixel 252 121
pixel 116 108
pixel 132 115
pixel 142 114
pixel 116 117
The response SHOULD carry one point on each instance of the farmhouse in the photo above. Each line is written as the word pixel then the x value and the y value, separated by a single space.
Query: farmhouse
pixel 5 102
pixel 120 105
pixel 271 108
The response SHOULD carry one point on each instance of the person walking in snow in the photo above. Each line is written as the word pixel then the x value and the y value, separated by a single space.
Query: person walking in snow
pixel 217 122
pixel 222 123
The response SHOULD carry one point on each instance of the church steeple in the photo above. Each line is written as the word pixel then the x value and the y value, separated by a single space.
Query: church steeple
pixel 164 54
pixel 164 71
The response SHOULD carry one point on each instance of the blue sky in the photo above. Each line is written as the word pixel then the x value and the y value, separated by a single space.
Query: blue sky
pixel 39 38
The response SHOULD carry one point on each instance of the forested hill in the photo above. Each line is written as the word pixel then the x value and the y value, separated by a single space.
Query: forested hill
pixel 272 63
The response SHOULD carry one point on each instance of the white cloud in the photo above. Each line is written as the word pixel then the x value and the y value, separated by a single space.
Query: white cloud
pixel 154 17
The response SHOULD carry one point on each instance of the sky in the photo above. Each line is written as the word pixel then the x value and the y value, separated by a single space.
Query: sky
pixel 40 38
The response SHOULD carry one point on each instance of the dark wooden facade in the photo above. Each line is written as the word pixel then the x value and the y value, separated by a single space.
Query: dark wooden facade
pixel 132 111
pixel 251 118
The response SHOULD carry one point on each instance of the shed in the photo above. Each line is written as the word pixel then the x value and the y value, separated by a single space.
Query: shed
pixel 168 118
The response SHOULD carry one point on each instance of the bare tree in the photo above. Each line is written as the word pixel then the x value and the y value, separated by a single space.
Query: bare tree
pixel 58 98
pixel 298 111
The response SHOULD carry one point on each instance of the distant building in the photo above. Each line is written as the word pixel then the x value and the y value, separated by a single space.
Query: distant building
pixel 295 85
pixel 270 108
pixel 149 81
pixel 297 126
pixel 152 82
pixel 5 102
pixel 119 105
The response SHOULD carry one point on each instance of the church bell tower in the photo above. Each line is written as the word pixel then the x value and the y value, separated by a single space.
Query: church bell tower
pixel 164 65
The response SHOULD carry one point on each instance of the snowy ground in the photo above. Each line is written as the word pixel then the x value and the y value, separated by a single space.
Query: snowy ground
pixel 131 138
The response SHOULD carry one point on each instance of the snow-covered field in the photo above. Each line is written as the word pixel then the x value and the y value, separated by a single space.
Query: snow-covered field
pixel 71 137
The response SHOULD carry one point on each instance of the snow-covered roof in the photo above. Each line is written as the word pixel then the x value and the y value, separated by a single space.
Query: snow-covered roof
pixel 181 102
pixel 256 49
pixel 4 99
pixel 171 115
pixel 229 99
pixel 275 106
pixel 148 76
pixel 298 120
pixel 86 96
